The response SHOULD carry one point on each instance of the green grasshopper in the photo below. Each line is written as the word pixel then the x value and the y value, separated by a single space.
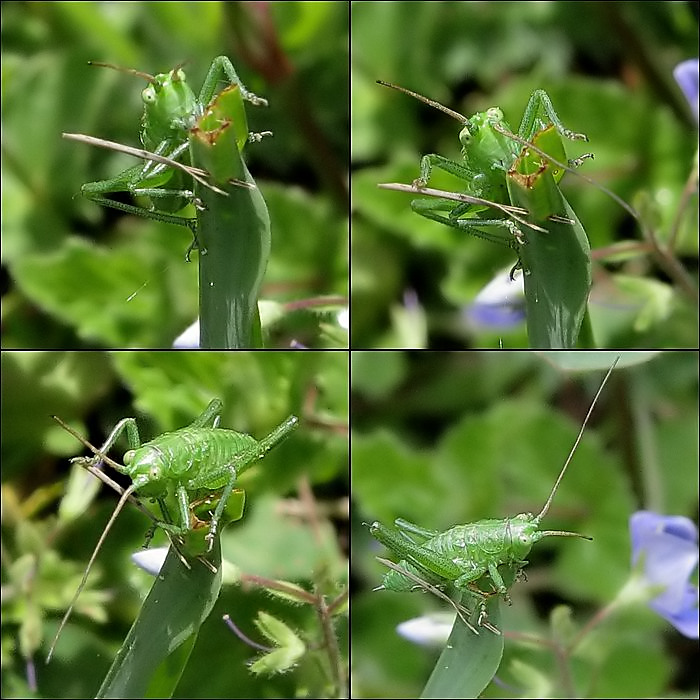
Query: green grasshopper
pixel 171 111
pixel 203 138
pixel 518 176
pixel 466 558
pixel 187 472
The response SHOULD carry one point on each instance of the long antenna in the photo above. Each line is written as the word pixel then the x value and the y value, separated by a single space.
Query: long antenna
pixel 455 115
pixel 124 498
pixel 544 510
pixel 121 69
pixel 126 495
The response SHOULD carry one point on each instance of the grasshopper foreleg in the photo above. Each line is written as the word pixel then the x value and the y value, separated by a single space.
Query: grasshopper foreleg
pixel 132 434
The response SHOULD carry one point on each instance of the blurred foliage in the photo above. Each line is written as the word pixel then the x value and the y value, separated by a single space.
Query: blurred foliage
pixel 446 438
pixel 78 275
pixel 608 69
pixel 295 497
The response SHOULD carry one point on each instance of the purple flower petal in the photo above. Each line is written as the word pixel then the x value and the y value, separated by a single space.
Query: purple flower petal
pixel 500 304
pixel 495 315
pixel 669 546
pixel 686 75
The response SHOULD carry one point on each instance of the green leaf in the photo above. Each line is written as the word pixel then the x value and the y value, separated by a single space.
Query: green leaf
pixel 155 652
pixel 468 661
pixel 233 233
pixel 291 647
pixel 556 264
pixel 81 490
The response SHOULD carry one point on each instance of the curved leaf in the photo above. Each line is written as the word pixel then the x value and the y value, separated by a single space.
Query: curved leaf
pixel 469 661
pixel 156 650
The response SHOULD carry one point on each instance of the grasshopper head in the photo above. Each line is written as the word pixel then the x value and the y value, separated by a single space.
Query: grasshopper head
pixel 474 126
pixel 493 146
pixel 523 534
pixel 147 469
pixel 170 105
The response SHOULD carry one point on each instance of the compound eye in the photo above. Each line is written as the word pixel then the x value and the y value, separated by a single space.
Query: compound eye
pixel 129 457
pixel 148 95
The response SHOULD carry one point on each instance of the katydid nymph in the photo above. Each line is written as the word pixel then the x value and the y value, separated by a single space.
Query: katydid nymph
pixel 171 110
pixel 201 137
pixel 473 559
pixel 517 176
pixel 188 472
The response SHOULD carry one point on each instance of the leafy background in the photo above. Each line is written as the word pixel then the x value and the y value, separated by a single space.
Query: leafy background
pixel 44 557
pixel 445 438
pixel 77 275
pixel 608 68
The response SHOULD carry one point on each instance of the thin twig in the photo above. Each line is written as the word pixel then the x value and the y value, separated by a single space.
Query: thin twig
pixel 197 173
pixel 514 212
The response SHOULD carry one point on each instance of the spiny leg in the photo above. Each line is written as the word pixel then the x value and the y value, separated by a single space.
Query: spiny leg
pixel 132 436
pixel 473 226
pixel 433 160
pixel 146 179
pixel 434 562
pixel 168 149
pixel 532 121
pixel 222 68
pixel 425 585
pixel 92 464
pixel 95 192
pixel 483 619
pixel 482 598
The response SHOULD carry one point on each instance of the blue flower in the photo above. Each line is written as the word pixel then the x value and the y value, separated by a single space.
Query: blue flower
pixel 686 75
pixel 668 548
pixel 500 305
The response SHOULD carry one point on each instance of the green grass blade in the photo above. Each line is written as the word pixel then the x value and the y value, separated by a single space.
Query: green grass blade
pixel 469 661
pixel 556 264
pixel 156 650
pixel 558 283
pixel 233 231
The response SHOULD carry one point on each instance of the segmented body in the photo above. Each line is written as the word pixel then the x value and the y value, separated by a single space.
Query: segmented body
pixel 472 547
pixel 195 457
pixel 481 541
